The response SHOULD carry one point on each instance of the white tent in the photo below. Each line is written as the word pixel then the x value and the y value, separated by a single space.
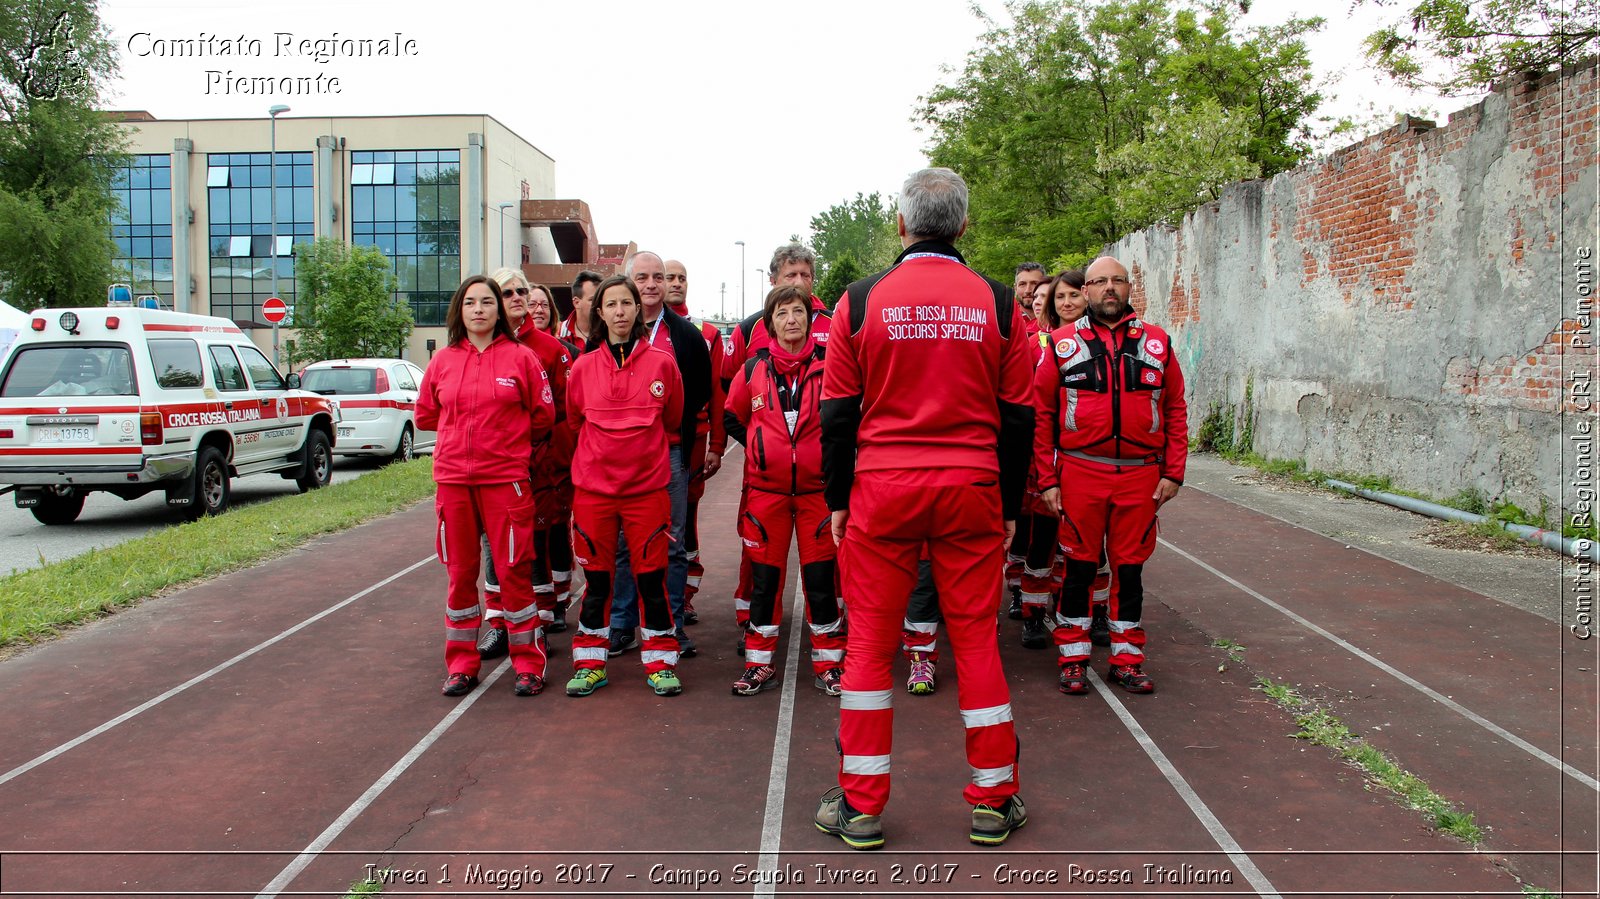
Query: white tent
pixel 12 321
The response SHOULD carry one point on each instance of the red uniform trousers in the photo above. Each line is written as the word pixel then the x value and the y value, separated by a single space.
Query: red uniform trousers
pixel 893 516
pixel 552 524
pixel 1113 507
pixel 646 521
pixel 920 631
pixel 504 514
pixel 1038 561
pixel 741 589
pixel 768 522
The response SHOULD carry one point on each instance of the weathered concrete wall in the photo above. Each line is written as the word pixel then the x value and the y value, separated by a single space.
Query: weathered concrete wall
pixel 1398 307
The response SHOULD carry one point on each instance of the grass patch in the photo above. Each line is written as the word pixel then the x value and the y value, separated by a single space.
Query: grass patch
pixel 1233 648
pixel 1533 892
pixel 35 604
pixel 1319 727
pixel 1212 438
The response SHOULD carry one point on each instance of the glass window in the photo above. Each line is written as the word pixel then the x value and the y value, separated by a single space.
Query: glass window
pixel 361 174
pixel 242 211
pixel 402 378
pixel 262 374
pixel 144 210
pixel 416 222
pixel 217 176
pixel 176 363
pixel 75 370
pixel 225 369
pixel 341 381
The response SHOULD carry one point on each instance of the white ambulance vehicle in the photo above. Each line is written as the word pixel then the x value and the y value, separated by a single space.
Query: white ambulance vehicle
pixel 130 401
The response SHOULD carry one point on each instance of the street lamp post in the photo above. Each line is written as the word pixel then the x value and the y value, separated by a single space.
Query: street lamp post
pixel 503 208
pixel 741 281
pixel 760 273
pixel 272 253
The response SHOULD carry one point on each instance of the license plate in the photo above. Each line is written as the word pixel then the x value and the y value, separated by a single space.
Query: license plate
pixel 63 435
pixel 346 432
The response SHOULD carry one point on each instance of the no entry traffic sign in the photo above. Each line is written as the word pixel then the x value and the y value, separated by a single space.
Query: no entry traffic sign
pixel 274 310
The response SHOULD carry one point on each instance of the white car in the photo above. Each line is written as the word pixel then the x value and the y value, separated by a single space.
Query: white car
pixel 377 400
pixel 130 401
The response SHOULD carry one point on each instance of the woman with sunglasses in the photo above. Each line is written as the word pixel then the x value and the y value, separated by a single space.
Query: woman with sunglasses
pixel 490 402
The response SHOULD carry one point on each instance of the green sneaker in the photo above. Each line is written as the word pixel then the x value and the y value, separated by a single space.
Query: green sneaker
pixel 665 682
pixel 585 681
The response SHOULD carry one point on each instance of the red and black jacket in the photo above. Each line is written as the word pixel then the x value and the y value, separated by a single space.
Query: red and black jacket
pixel 777 460
pixel 928 368
pixel 1112 393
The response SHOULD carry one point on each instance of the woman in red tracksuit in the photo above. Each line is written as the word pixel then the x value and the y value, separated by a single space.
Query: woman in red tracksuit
pixel 623 398
pixel 772 409
pixel 490 402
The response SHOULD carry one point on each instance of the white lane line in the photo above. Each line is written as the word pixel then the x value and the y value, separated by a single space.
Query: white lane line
pixel 1225 840
pixel 147 705
pixel 1404 678
pixel 772 820
pixel 310 853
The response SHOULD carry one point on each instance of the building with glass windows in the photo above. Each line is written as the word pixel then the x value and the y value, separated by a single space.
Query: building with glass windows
pixel 443 196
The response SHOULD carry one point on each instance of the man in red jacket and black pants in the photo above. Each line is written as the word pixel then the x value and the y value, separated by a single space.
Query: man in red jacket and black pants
pixel 908 468
pixel 1110 449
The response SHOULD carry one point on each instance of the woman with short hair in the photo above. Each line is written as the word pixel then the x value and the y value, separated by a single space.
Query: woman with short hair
pixel 774 410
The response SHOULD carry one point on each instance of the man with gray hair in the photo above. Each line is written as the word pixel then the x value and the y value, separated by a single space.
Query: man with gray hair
pixel 903 472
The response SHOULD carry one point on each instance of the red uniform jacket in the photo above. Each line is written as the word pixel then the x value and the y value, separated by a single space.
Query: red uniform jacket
pixel 557 362
pixel 776 460
pixel 622 416
pixel 1112 393
pixel 923 373
pixel 490 409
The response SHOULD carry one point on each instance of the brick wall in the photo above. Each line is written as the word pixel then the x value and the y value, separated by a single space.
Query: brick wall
pixel 1406 306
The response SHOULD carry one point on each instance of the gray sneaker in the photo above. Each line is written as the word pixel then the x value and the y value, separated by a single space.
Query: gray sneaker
pixel 991 826
pixel 858 831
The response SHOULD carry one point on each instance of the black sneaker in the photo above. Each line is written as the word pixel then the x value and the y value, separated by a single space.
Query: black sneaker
pixel 1100 627
pixel 1015 612
pixel 1132 678
pixel 685 645
pixel 740 649
pixel 459 684
pixel 622 641
pixel 560 622
pixel 690 616
pixel 528 685
pixel 494 643
pixel 1035 635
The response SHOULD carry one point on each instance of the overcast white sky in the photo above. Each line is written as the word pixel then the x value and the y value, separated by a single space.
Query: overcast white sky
pixel 731 120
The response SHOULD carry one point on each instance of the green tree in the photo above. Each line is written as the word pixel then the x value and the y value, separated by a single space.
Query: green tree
pixel 831 286
pixel 345 305
pixel 1077 123
pixel 857 236
pixel 1478 43
pixel 58 155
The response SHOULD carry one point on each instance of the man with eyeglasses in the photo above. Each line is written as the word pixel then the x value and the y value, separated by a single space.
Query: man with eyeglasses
pixel 1110 444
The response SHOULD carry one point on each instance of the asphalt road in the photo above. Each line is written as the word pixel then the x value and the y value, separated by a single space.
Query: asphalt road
pixel 107 520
